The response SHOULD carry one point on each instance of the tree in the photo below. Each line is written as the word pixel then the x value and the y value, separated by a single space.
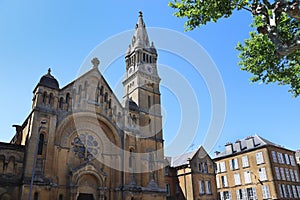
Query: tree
pixel 272 53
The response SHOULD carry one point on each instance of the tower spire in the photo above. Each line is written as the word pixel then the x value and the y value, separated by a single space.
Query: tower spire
pixel 140 37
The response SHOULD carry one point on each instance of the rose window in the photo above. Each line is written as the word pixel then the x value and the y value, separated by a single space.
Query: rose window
pixel 85 146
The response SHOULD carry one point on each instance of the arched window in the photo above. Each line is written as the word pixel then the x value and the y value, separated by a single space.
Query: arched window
pixel 61 102
pixel 130 157
pixel 105 97
pixel 101 90
pixel 85 89
pixel 44 97
pixel 50 101
pixel 79 92
pixel 68 100
pixel 205 167
pixel 109 104
pixel 41 144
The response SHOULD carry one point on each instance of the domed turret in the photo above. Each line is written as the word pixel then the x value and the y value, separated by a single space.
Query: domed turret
pixel 49 81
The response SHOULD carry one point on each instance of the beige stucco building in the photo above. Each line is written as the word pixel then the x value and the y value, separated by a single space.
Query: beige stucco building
pixel 80 142
pixel 255 168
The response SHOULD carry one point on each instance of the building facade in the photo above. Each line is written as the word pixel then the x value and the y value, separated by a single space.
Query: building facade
pixel 255 168
pixel 191 176
pixel 80 143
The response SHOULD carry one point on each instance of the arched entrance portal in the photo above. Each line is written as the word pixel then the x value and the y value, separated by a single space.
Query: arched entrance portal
pixel 87 187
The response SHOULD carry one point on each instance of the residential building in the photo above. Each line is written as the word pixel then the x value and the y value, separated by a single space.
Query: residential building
pixel 79 142
pixel 255 168
pixel 191 176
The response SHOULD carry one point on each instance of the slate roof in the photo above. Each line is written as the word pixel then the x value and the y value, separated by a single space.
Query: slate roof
pixel 183 159
pixel 246 145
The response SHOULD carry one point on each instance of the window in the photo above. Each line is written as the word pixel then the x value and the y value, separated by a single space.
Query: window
pixel 262 174
pixel 200 167
pixel 201 187
pixel 292 175
pixel 251 192
pixel 298 189
pixel 41 144
pixel 259 158
pixel 277 173
pixel 245 161
pixel 282 174
pixel 294 191
pixel 36 196
pixel 237 179
pixel 149 101
pixel 287 159
pixel 247 177
pixel 284 190
pixel 287 173
pixel 292 159
pixel 224 181
pixel 289 191
pixel 168 189
pixel 274 156
pixel 296 176
pixel 280 158
pixel 227 195
pixel 131 158
pixel 222 167
pixel 239 194
pixel 234 164
pixel 266 191
pixel 205 167
pixel 280 190
pixel 208 187
pixel 60 197
pixel 166 171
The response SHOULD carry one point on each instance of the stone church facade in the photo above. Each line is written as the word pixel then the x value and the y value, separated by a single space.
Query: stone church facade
pixel 80 142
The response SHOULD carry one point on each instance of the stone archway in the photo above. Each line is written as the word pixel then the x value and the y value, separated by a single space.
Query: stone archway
pixel 88 183
pixel 87 187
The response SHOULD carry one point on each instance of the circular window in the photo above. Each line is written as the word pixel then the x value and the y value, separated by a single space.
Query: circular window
pixel 85 146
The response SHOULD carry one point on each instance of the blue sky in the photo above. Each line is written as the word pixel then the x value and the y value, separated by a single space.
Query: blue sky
pixel 36 35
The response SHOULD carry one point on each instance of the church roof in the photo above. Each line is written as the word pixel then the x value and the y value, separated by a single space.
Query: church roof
pixel 48 81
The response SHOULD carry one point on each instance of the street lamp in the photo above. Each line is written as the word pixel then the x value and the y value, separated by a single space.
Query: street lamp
pixel 43 122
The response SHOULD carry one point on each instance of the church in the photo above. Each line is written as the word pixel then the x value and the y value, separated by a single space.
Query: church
pixel 79 142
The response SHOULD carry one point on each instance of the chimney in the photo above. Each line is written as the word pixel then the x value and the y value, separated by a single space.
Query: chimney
pixel 229 148
pixel 238 145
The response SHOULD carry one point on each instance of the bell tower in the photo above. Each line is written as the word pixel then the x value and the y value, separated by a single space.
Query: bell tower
pixel 141 84
pixel 143 103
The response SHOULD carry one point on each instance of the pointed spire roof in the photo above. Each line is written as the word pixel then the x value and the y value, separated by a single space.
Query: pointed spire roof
pixel 140 37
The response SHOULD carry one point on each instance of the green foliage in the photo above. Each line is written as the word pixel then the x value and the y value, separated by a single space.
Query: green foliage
pixel 261 54
pixel 258 56
pixel 199 12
